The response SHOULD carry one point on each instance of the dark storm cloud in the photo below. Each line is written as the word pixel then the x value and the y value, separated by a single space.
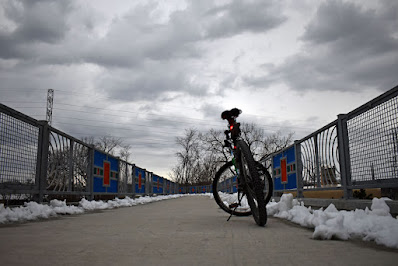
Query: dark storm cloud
pixel 135 37
pixel 346 47
pixel 35 22
pixel 141 57
pixel 243 16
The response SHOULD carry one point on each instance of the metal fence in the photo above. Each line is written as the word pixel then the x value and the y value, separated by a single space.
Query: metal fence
pixel 41 162
pixel 358 150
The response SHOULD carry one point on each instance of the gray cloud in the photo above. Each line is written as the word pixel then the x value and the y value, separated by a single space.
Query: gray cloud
pixel 243 16
pixel 346 47
pixel 142 58
pixel 35 22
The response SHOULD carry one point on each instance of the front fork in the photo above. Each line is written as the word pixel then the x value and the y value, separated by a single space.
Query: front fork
pixel 239 180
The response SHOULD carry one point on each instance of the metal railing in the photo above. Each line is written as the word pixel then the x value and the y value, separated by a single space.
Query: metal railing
pixel 358 150
pixel 40 162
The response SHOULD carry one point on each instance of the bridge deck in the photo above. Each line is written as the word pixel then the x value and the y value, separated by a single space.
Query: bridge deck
pixel 184 231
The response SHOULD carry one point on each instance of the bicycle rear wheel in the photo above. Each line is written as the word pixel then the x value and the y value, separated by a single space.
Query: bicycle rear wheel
pixel 252 183
pixel 227 192
pixel 266 182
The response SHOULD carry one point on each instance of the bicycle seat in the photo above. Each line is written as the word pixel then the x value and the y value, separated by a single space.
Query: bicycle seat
pixel 229 114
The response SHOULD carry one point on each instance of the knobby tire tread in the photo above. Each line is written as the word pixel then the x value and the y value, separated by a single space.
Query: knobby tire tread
pixel 259 212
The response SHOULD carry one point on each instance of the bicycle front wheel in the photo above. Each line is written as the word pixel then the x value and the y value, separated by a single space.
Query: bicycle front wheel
pixel 252 184
pixel 227 192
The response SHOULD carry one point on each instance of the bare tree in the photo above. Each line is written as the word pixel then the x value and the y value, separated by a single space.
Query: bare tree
pixel 108 144
pixel 187 156
pixel 125 152
pixel 202 154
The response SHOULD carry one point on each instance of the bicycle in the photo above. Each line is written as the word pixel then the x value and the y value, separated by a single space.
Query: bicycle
pixel 242 186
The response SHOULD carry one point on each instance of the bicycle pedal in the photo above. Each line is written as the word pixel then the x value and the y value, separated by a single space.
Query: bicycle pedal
pixel 233 205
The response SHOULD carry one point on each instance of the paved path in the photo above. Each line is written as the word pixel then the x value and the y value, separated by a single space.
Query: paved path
pixel 184 231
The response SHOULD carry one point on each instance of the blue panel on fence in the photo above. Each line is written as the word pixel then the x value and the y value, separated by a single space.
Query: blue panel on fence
pixel 234 184
pixel 284 170
pixel 113 187
pixel 106 173
pixel 98 185
pixel 157 184
pixel 139 180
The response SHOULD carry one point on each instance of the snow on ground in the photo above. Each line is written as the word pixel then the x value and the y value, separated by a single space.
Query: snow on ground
pixel 375 224
pixel 33 211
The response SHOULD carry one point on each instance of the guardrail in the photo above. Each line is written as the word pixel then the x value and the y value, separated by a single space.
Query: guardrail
pixel 358 150
pixel 41 162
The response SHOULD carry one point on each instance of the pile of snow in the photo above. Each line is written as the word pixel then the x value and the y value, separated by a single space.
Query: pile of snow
pixel 375 224
pixel 33 211
pixel 228 198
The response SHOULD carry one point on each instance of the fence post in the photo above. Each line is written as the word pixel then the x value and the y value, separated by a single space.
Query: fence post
pixel 133 179
pixel 70 159
pixel 344 154
pixel 90 174
pixel 274 193
pixel 44 141
pixel 126 179
pixel 299 170
pixel 318 175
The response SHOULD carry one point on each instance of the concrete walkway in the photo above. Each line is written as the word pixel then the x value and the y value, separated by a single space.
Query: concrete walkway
pixel 185 231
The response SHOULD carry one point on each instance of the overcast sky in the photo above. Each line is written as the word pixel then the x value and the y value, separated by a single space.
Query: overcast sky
pixel 147 70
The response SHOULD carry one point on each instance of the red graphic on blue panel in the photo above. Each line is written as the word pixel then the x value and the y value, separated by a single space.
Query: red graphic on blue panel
pixel 157 184
pixel 284 170
pixel 139 180
pixel 106 173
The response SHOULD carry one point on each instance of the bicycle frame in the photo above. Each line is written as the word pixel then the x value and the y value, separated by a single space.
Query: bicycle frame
pixel 230 143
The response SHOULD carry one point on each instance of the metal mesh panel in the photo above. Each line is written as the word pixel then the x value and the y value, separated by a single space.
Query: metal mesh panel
pixel 373 142
pixel 18 151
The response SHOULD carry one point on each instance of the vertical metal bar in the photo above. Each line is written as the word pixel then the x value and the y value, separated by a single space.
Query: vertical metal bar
pixel 70 160
pixel 274 193
pixel 36 197
pixel 318 180
pixel 133 179
pixel 150 181
pixel 90 172
pixel 299 170
pixel 45 136
pixel 345 168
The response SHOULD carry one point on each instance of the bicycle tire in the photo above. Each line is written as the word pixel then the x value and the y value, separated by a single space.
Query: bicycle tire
pixel 225 199
pixel 265 178
pixel 253 185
